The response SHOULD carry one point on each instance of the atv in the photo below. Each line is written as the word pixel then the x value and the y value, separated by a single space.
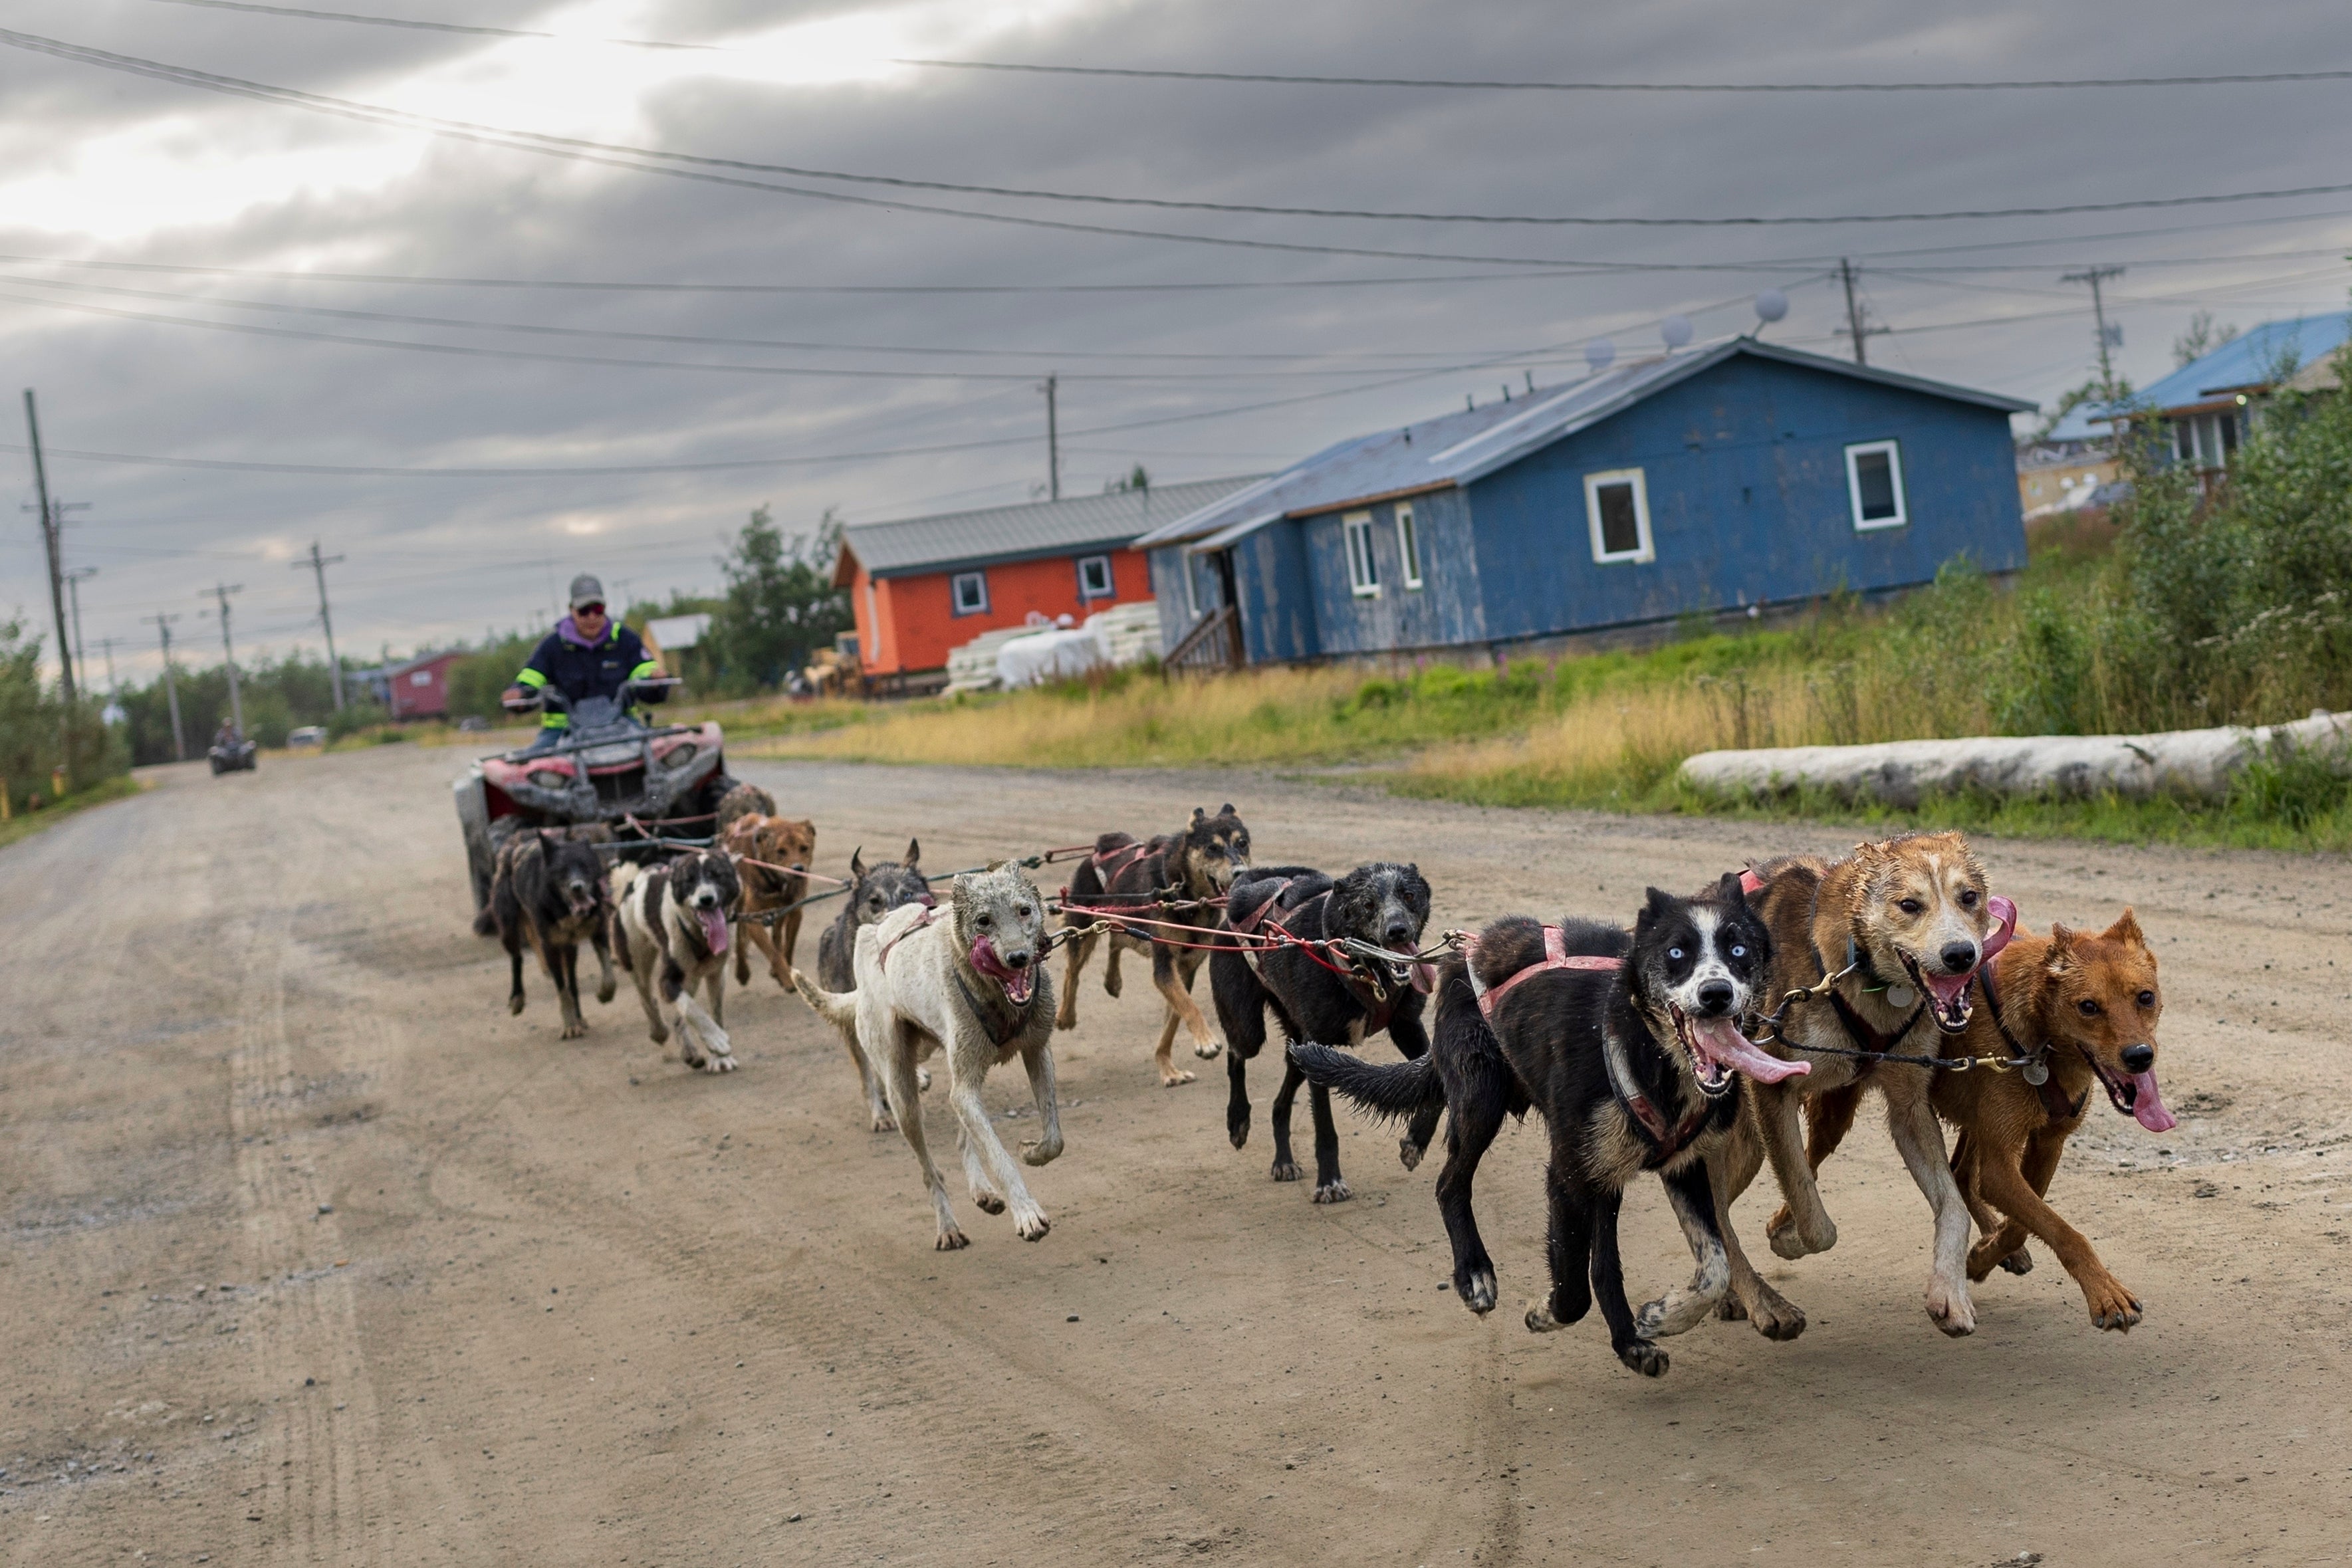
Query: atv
pixel 611 767
pixel 234 756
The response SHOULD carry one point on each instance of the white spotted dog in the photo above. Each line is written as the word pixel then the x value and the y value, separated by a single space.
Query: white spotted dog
pixel 970 979
pixel 671 931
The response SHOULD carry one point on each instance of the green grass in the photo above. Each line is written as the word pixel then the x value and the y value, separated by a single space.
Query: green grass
pixel 25 824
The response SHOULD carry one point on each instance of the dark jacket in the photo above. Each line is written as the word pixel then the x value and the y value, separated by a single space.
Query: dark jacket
pixel 578 672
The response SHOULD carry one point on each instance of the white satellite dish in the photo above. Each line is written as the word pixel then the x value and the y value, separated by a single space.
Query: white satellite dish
pixel 1676 330
pixel 1771 304
pixel 1599 353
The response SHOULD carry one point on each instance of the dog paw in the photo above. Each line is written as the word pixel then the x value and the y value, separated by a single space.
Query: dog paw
pixel 718 1064
pixel 1066 1019
pixel 1476 1290
pixel 1285 1170
pixel 1775 1316
pixel 1539 1319
pixel 1950 1309
pixel 988 1203
pixel 1643 1357
pixel 1208 1050
pixel 2019 1262
pixel 1040 1151
pixel 922 1081
pixel 885 1123
pixel 2111 1306
pixel 951 1240
pixel 1789 1239
pixel 514 1006
pixel 1237 1128
pixel 1729 1310
pixel 1031 1226
pixel 1409 1153
pixel 572 1032
pixel 1174 1077
pixel 659 1034
pixel 1333 1191
pixel 606 991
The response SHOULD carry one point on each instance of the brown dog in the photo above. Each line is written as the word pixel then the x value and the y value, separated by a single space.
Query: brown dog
pixel 2085 1008
pixel 1900 925
pixel 760 844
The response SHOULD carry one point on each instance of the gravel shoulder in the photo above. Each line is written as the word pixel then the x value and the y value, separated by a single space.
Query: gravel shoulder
pixel 318 1256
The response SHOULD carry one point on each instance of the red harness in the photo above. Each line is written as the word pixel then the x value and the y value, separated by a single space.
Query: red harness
pixel 1108 866
pixel 930 913
pixel 1556 956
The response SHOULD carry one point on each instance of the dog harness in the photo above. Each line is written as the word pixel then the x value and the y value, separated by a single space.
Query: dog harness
pixel 1556 956
pixel 1108 866
pixel 2054 1103
pixel 1670 1140
pixel 930 913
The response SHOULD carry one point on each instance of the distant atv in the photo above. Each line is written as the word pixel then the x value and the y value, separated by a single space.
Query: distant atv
pixel 611 767
pixel 238 756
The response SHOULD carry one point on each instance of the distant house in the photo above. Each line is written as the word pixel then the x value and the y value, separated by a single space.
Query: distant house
pixel 1734 476
pixel 2204 409
pixel 417 689
pixel 922 585
pixel 676 633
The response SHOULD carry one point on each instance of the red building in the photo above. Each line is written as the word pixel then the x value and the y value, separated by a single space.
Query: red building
pixel 419 688
pixel 922 585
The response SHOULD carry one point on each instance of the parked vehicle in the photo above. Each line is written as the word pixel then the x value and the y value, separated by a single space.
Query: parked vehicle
pixel 307 734
pixel 611 767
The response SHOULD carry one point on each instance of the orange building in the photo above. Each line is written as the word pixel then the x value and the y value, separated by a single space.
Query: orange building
pixel 922 587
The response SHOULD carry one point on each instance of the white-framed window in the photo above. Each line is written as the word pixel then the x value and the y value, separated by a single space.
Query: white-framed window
pixel 1363 571
pixel 1874 481
pixel 1094 576
pixel 1617 509
pixel 970 591
pixel 1409 546
pixel 420 678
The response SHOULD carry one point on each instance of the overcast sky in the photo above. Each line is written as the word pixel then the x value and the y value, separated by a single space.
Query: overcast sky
pixel 100 164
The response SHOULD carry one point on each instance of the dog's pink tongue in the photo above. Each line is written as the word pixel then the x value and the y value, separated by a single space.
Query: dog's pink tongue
pixel 1946 989
pixel 714 928
pixel 2148 1104
pixel 1727 1045
pixel 1019 983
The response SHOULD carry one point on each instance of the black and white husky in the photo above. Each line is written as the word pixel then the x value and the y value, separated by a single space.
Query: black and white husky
pixel 1630 1046
pixel 671 931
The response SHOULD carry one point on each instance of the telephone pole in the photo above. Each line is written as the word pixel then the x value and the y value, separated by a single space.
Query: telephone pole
pixel 170 684
pixel 50 527
pixel 74 578
pixel 1052 441
pixel 106 646
pixel 319 565
pixel 1857 313
pixel 2109 337
pixel 221 591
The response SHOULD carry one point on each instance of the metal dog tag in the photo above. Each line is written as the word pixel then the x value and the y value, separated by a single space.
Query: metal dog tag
pixel 1899 996
pixel 2036 1072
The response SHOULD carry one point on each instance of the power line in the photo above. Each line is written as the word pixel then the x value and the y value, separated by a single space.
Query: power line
pixel 1458 83
pixel 696 166
pixel 309 15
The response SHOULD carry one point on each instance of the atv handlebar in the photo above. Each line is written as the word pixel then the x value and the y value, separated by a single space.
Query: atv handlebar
pixel 651 688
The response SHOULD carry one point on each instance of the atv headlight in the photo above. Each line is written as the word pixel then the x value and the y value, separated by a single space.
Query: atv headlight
pixel 679 755
pixel 551 778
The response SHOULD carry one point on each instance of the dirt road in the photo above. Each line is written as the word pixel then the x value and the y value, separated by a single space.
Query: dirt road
pixel 316 1255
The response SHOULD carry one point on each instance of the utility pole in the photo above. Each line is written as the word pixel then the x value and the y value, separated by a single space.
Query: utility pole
pixel 49 529
pixel 1857 313
pixel 221 591
pixel 170 684
pixel 74 578
pixel 2109 337
pixel 319 565
pixel 1052 441
pixel 106 646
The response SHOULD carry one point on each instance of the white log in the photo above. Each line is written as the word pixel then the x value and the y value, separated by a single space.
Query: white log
pixel 2192 762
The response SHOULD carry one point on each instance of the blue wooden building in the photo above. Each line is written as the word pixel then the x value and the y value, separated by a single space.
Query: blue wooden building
pixel 1738 476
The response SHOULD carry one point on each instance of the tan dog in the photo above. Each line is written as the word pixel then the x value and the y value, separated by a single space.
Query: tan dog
pixel 1901 926
pixel 2085 1008
pixel 760 844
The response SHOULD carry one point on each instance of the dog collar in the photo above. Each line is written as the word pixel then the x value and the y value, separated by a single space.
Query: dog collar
pixel 1670 1140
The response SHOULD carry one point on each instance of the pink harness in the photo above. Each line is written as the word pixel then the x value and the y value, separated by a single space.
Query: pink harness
pixel 930 913
pixel 1108 866
pixel 1556 956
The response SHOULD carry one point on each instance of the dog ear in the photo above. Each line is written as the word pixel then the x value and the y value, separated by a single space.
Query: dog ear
pixel 1732 890
pixel 914 853
pixel 858 863
pixel 1199 816
pixel 1226 810
pixel 2061 956
pixel 2127 929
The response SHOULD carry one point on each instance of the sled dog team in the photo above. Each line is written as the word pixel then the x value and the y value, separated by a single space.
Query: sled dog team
pixel 1740 1026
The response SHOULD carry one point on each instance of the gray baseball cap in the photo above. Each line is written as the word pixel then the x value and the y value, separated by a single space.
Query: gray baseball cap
pixel 587 589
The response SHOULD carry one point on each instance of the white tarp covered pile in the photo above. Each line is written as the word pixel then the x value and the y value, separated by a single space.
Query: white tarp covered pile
pixel 1129 633
pixel 1051 649
pixel 973 667
pixel 2195 762
pixel 1061 655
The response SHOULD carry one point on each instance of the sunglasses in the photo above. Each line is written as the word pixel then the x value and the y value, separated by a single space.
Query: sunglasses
pixel 587 610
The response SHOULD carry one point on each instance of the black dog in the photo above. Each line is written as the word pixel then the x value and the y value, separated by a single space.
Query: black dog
pixel 1629 1046
pixel 1320 996
pixel 548 892
pixel 874 891
pixel 1170 884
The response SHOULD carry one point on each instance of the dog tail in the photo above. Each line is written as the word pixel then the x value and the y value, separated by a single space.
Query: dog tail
pixel 1393 1093
pixel 838 1009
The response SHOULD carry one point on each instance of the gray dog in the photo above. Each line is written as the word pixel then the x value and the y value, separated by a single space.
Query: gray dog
pixel 970 979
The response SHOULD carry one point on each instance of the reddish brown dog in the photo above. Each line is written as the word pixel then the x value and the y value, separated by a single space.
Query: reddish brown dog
pixel 2085 1006
pixel 750 830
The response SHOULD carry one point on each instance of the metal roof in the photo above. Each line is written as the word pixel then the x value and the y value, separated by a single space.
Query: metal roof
pixel 2254 359
pixel 1041 527
pixel 1458 448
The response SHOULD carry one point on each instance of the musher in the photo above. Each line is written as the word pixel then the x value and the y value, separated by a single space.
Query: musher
pixel 588 654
